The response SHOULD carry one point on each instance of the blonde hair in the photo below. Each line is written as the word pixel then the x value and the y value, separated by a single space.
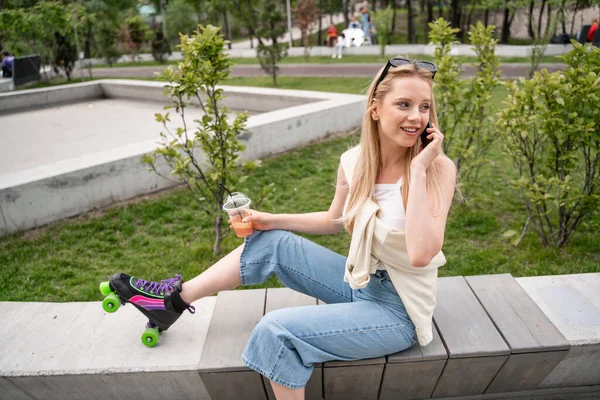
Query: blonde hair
pixel 368 164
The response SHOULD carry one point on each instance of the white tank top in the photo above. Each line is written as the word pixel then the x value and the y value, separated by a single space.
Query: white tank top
pixel 392 214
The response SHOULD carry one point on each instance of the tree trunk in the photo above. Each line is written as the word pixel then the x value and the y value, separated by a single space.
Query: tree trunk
pixel 455 17
pixel 539 28
pixel 506 22
pixel 227 28
pixel 469 17
pixel 563 16
pixel 411 23
pixel 389 39
pixel 550 21
pixel 429 12
pixel 218 238
pixel 345 10
pixel 530 21
pixel 320 16
pixel 486 17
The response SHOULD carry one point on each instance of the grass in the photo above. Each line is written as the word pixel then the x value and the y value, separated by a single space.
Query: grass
pixel 348 59
pixel 158 235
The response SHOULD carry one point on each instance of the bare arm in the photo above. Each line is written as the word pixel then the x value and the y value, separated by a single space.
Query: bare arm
pixel 316 223
pixel 425 220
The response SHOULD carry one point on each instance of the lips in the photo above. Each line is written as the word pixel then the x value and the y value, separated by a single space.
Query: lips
pixel 410 131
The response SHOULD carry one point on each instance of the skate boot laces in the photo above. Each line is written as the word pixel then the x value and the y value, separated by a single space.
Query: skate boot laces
pixel 162 287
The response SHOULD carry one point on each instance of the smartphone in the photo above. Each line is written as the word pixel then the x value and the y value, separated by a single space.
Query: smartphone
pixel 424 135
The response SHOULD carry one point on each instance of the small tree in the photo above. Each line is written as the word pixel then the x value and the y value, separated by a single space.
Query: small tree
pixel 464 109
pixel 549 126
pixel 132 35
pixel 204 66
pixel 65 55
pixel 160 46
pixel 106 33
pixel 383 26
pixel 306 13
pixel 270 26
pixel 450 89
pixel 477 129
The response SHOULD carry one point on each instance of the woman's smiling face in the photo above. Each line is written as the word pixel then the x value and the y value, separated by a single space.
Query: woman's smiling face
pixel 403 113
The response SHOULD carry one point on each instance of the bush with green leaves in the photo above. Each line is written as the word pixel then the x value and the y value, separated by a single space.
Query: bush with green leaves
pixel 205 156
pixel 550 127
pixel 464 105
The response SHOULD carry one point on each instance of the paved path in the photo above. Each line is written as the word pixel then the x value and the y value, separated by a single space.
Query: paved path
pixel 328 70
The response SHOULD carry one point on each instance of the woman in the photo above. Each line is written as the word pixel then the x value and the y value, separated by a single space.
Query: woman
pixel 332 35
pixel 394 253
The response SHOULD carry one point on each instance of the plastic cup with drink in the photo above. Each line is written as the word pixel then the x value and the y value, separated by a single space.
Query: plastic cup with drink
pixel 236 206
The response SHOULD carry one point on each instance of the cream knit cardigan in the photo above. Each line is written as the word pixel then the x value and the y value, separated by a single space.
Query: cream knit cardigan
pixel 372 241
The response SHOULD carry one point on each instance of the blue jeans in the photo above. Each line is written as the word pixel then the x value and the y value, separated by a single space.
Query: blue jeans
pixel 354 324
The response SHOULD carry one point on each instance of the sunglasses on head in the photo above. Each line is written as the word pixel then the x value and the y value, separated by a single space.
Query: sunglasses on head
pixel 396 62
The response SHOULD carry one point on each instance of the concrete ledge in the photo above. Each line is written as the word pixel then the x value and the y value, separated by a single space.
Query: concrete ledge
pixel 503 50
pixel 572 303
pixel 6 85
pixel 49 97
pixel 77 351
pixel 43 194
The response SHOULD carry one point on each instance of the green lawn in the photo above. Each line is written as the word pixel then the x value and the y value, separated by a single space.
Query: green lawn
pixel 348 59
pixel 159 235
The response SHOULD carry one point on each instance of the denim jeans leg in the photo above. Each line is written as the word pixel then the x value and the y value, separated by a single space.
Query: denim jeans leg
pixel 286 343
pixel 298 263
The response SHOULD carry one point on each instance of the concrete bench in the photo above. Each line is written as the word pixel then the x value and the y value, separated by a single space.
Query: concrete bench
pixel 495 337
pixel 490 340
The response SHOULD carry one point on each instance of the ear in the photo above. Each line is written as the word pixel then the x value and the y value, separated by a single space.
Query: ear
pixel 374 110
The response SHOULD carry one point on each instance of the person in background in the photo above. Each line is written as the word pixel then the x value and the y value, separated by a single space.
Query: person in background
pixel 364 15
pixel 7 64
pixel 332 35
pixel 372 31
pixel 354 24
pixel 338 50
pixel 593 29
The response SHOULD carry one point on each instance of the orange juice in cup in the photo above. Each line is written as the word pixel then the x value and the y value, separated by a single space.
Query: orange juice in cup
pixel 236 206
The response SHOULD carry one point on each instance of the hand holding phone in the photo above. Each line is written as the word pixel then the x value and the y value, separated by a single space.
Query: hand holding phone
pixel 424 140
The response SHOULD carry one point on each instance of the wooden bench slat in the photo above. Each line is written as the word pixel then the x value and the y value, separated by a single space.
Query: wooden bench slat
pixel 467 376
pixel 475 348
pixel 410 380
pixel 236 314
pixel 464 326
pixel 433 351
pixel 523 325
pixel 413 373
pixel 352 382
pixel 537 346
pixel 278 298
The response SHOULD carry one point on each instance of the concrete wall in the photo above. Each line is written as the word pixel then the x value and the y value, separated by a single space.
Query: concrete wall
pixel 49 97
pixel 41 195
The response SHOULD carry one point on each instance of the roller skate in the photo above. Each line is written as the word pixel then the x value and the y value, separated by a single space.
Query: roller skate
pixel 159 301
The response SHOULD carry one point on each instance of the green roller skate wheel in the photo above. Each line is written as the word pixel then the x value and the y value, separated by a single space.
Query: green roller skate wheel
pixel 111 303
pixel 150 337
pixel 105 288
